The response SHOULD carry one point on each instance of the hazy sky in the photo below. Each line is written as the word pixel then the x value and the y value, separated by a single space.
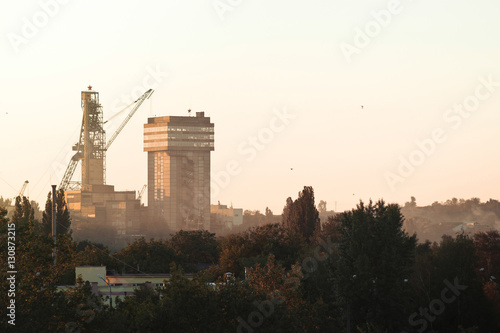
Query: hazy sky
pixel 283 81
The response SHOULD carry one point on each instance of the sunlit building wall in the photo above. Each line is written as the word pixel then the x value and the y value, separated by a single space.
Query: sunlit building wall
pixel 179 170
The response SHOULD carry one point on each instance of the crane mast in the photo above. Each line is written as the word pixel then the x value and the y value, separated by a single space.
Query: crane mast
pixel 91 148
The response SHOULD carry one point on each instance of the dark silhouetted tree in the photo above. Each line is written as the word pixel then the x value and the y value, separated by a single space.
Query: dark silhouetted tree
pixel 63 219
pixel 269 213
pixel 375 258
pixel 411 204
pixel 197 246
pixel 5 202
pixel 47 216
pixel 322 206
pixel 301 215
pixel 154 256
pixel 24 215
pixel 456 261
pixel 3 216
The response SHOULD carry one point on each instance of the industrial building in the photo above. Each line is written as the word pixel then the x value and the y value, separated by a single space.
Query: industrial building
pixel 179 170
pixel 114 285
pixel 91 200
pixel 178 174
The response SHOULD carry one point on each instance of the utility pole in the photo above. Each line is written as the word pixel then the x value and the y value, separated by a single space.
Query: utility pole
pixel 54 226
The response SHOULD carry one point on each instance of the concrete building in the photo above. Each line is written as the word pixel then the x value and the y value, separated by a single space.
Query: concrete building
pixel 103 205
pixel 179 170
pixel 223 218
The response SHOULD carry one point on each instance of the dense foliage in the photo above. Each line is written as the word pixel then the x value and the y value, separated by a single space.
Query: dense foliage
pixel 358 271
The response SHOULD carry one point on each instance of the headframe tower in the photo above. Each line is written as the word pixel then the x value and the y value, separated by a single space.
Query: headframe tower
pixel 93 137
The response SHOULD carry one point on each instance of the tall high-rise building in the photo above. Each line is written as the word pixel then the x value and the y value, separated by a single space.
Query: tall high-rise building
pixel 179 170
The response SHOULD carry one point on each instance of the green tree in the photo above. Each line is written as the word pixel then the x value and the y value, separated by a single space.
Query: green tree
pixel 284 244
pixel 197 246
pixel 289 214
pixel 456 261
pixel 92 254
pixel 63 219
pixel 488 252
pixel 301 215
pixel 47 216
pixel 3 217
pixel 4 202
pixel 154 256
pixel 234 247
pixel 412 204
pixel 269 216
pixel 252 219
pixel 253 246
pixel 188 305
pixel 37 298
pixel 24 215
pixel 269 213
pixel 322 206
pixel 375 257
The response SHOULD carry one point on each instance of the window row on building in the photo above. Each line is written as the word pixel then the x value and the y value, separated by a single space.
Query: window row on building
pixel 178 129
pixel 179 144
pixel 179 136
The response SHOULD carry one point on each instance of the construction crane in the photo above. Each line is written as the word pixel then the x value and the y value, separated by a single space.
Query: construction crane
pixel 139 197
pixel 138 102
pixel 21 192
pixel 79 146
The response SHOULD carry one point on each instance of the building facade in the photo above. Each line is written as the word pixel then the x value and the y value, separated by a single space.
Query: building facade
pixel 179 170
pixel 103 205
pixel 224 218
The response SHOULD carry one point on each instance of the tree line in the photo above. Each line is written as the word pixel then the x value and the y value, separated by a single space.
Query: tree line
pixel 359 271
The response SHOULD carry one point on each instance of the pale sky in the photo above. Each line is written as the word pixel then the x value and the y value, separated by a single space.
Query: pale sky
pixel 409 63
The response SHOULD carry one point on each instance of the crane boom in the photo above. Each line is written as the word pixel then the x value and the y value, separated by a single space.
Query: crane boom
pixel 138 102
pixel 78 147
pixel 70 170
pixel 21 192
pixel 139 197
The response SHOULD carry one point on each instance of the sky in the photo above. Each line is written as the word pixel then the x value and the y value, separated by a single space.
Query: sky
pixel 360 100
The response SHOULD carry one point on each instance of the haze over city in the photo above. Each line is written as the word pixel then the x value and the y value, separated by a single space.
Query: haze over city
pixel 250 166
pixel 365 87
